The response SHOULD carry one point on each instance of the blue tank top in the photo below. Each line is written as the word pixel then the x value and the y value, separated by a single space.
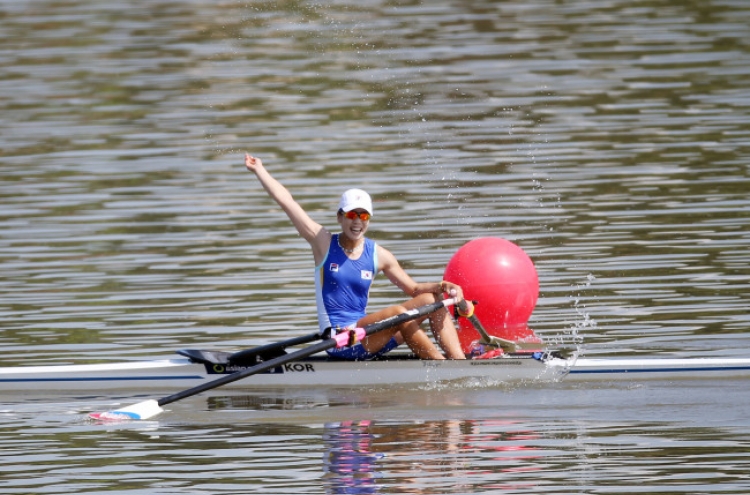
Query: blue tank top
pixel 342 285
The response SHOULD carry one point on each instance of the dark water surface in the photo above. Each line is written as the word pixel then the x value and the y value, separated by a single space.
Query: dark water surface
pixel 609 139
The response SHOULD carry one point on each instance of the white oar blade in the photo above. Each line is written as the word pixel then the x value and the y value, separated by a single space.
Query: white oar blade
pixel 142 410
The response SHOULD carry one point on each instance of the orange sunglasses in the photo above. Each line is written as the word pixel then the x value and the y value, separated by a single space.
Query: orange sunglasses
pixel 351 215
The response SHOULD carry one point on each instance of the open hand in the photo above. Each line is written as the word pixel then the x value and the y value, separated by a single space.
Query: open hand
pixel 252 163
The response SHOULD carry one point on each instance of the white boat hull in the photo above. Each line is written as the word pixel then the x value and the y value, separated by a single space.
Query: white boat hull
pixel 657 368
pixel 176 374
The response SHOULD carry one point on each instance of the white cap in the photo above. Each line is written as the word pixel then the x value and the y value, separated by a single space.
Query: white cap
pixel 355 198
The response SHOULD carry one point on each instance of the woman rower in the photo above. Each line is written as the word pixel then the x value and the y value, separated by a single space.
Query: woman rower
pixel 345 265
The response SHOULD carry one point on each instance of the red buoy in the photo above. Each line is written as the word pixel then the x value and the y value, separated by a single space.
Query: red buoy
pixel 501 277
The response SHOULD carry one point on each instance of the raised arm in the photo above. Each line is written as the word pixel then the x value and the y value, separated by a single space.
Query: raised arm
pixel 315 234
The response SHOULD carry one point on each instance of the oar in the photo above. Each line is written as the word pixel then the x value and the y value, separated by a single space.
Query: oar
pixel 466 309
pixel 150 408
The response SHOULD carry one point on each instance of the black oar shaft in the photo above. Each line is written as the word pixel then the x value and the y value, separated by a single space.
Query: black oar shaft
pixel 253 370
pixel 466 307
pixel 303 353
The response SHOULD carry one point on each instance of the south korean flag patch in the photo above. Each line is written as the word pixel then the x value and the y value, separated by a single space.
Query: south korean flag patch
pixel 366 274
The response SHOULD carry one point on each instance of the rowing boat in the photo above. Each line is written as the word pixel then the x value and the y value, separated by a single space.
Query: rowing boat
pixel 396 369
pixel 163 374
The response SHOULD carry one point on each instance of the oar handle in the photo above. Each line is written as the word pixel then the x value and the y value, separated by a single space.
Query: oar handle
pixel 308 351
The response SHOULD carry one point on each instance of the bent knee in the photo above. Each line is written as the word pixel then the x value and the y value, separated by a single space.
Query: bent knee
pixel 397 310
